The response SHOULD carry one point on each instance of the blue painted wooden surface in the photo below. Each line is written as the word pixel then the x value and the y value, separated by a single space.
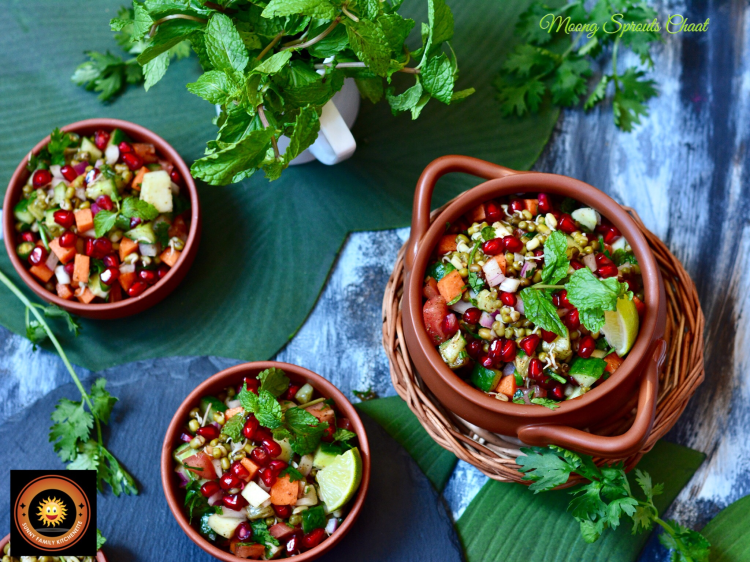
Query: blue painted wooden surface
pixel 684 171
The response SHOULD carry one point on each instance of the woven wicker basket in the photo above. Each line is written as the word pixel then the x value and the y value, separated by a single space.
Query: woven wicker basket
pixel 495 455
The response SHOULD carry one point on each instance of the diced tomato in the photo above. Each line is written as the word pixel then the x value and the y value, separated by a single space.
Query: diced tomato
pixel 430 289
pixel 145 151
pixel 613 362
pixel 280 531
pixel 200 464
pixel 434 312
pixel 640 306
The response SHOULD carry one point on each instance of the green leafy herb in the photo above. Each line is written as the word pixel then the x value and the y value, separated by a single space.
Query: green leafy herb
pixel 546 402
pixel 488 233
pixel 556 262
pixel 592 296
pixel 551 63
pixel 621 257
pixel 205 529
pixel 475 282
pixel 233 428
pixel 274 381
pixel 303 429
pixel 196 503
pixel 133 207
pixel 262 536
pixel 343 435
pixel 365 395
pixel 104 221
pixel 293 474
pixel 161 231
pixel 100 540
pixel 263 406
pixel 607 498
pixel 313 518
pixel 538 308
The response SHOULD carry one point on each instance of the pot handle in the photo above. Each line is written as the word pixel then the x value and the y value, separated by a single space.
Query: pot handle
pixel 420 220
pixel 618 446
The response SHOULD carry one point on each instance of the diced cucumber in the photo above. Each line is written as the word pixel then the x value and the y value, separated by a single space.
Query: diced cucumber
pixel 154 167
pixel 304 394
pixel 183 452
pixel 485 379
pixel 575 393
pixel 49 221
pixel 216 405
pixel 522 363
pixel 97 288
pixel 450 350
pixel 36 208
pixel 156 189
pixel 440 270
pixel 60 193
pixel 325 455
pixel 587 371
pixel 144 232
pixel 117 136
pixel 286 451
pixel 587 216
pixel 224 526
pixel 90 147
pixel 22 213
pixel 104 186
pixel 24 249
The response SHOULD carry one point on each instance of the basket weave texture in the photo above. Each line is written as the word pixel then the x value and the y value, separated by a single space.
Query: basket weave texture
pixel 495 455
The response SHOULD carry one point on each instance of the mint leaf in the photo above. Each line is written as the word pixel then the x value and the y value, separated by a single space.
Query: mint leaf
pixel 155 69
pixel 592 296
pixel 274 381
pixel 215 87
pixel 396 29
pixel 438 78
pixel 233 427
pixel 133 207
pixel 305 430
pixel 406 101
pixel 306 129
pixel 621 257
pixel 169 34
pixel 142 22
pixel 234 161
pixel 104 221
pixel 440 26
pixel 370 44
pixel 556 260
pixel 275 63
pixel 343 435
pixel 370 88
pixel 321 9
pixel 224 45
pixel 538 308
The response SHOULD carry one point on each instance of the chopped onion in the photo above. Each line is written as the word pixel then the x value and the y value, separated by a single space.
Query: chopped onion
pixel 52 261
pixel 305 464
pixel 485 320
pixel 527 266
pixel 81 193
pixel 589 260
pixel 239 514
pixel 62 276
pixel 55 171
pixel 510 285
pixel 182 474
pixel 127 268
pixel 331 526
pixel 175 188
pixel 493 273
pixel 80 168
pixel 461 306
pixel 99 163
pixel 518 257
pixel 217 466
pixel 231 403
pixel 519 306
pixel 112 154
pixel 509 369
pixel 147 249
pixel 216 498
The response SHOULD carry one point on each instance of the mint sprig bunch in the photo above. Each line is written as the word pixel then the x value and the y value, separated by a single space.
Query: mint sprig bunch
pixel 607 498
pixel 552 65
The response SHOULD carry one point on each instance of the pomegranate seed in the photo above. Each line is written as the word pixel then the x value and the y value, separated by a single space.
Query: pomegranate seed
pixel 611 235
pixel 235 502
pixel 536 368
pixel 69 173
pixel 344 423
pixel 175 176
pixel 545 205
pixel 291 391
pixel 493 212
pixel 135 221
pixel 602 259
pixel 91 175
pixel 38 255
pixel 228 481
pixel 282 511
pixel 105 202
pixel 509 299
pixel 147 275
pixel 111 260
pixel 133 161
pixel 69 267
pixel 41 178
pixel 567 224
pixel 496 349
pixel 185 437
pixel 572 320
pixel 313 538
pixel 259 456
pixel 509 350
pixel 450 325
pixel 109 276
pixel 272 447
pixel 243 532
pixel 252 384
pixel 557 391
pixel 68 240
pixel 162 270
pixel 512 244
pixel 101 138
pixel 474 348
pixel 137 288
pixel 210 488
pixel 472 315
pixel 575 264
pixel 640 306
pixel 268 476
pixel 493 247
pixel 586 347
pixel 549 337
pixel 88 247
pixel 28 237
pixel 608 271
pixel 529 344
pixel 293 544
pixel 102 247
pixel 516 205
pixel 277 466
pixel 262 434
pixel 539 254
pixel 250 428
pixel 125 147
pixel 487 362
pixel 210 432
pixel 239 471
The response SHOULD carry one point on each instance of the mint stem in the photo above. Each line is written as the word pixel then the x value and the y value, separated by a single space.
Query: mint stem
pixel 323 35
pixel 157 23
pixel 266 124
pixel 270 46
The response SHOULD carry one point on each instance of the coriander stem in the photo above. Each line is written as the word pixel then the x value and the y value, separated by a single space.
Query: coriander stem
pixel 361 65
pixel 668 528
pixel 270 45
pixel 315 39
pixel 349 14
pixel 8 283
pixel 266 124
pixel 157 23
pixel 614 62
pixel 312 403
pixel 540 286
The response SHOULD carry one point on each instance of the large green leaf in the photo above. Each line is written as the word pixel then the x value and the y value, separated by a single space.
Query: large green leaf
pixel 508 522
pixel 397 419
pixel 267 248
pixel 727 533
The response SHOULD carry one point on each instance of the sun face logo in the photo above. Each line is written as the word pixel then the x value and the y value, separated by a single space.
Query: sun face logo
pixel 52 512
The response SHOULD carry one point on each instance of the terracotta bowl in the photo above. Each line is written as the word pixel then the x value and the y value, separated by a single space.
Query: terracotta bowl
pixel 153 294
pixel 231 377
pixel 636 381
pixel 99 555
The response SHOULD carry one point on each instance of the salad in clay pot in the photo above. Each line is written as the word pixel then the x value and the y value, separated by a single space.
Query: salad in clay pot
pixel 533 299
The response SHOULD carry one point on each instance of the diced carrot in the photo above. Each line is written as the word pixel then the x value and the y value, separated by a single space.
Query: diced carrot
pixel 170 256
pixel 251 467
pixel 84 295
pixel 80 245
pixel 42 272
pixel 500 259
pixel 640 306
pixel 477 214
pixel 284 491
pixel 81 269
pixel 451 286
pixel 127 280
pixel 127 247
pixel 613 362
pixel 532 206
pixel 138 179
pixel 323 412
pixel 84 220
pixel 430 288
pixel 447 244
pixel 115 293
pixel 64 291
pixel 147 151
pixel 231 412
pixel 507 386
pixel 63 254
pixel 247 551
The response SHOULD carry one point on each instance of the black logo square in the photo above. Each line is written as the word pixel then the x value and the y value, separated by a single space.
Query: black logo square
pixel 53 513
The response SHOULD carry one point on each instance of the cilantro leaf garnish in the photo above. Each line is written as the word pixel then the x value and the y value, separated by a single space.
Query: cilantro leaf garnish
pixel 475 282
pixel 100 540
pixel 342 434
pixel 261 535
pixel 294 474
pixel 104 221
pixel 196 504
pixel 556 260
pixel 538 308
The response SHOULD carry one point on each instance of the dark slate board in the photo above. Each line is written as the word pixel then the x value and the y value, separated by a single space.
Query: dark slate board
pixel 403 519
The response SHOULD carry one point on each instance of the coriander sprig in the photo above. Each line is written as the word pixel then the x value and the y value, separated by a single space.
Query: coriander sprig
pixel 607 498
pixel 71 432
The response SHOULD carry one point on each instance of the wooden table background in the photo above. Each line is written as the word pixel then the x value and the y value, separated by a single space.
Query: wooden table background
pixel 683 170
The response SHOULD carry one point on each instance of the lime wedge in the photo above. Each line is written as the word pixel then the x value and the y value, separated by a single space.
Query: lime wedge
pixel 621 326
pixel 340 479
